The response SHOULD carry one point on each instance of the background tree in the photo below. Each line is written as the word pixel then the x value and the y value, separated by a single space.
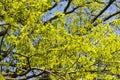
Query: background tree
pixel 78 41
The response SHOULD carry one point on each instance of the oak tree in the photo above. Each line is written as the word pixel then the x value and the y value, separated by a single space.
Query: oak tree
pixel 59 39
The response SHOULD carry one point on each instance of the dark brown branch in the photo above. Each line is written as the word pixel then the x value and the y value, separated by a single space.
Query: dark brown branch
pixel 103 10
pixel 35 75
pixel 56 16
pixel 67 6
pixel 52 73
pixel 2 33
pixel 6 53
pixel 99 2
pixel 108 17
pixel 20 54
pixel 28 62
pixel 13 79
pixel 27 71
pixel 24 73
pixel 1 16
pixel 42 71
pixel 51 7
pixel 15 74
pixel 71 11
pixel 53 18
pixel 1 43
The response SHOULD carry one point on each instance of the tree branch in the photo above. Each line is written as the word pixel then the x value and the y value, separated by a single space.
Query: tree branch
pixel 71 11
pixel 13 79
pixel 35 75
pixel 67 6
pixel 103 10
pixel 6 53
pixel 108 17
pixel 2 33
pixel 51 7
pixel 53 18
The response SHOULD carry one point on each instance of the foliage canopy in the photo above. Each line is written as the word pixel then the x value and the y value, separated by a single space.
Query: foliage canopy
pixel 77 42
